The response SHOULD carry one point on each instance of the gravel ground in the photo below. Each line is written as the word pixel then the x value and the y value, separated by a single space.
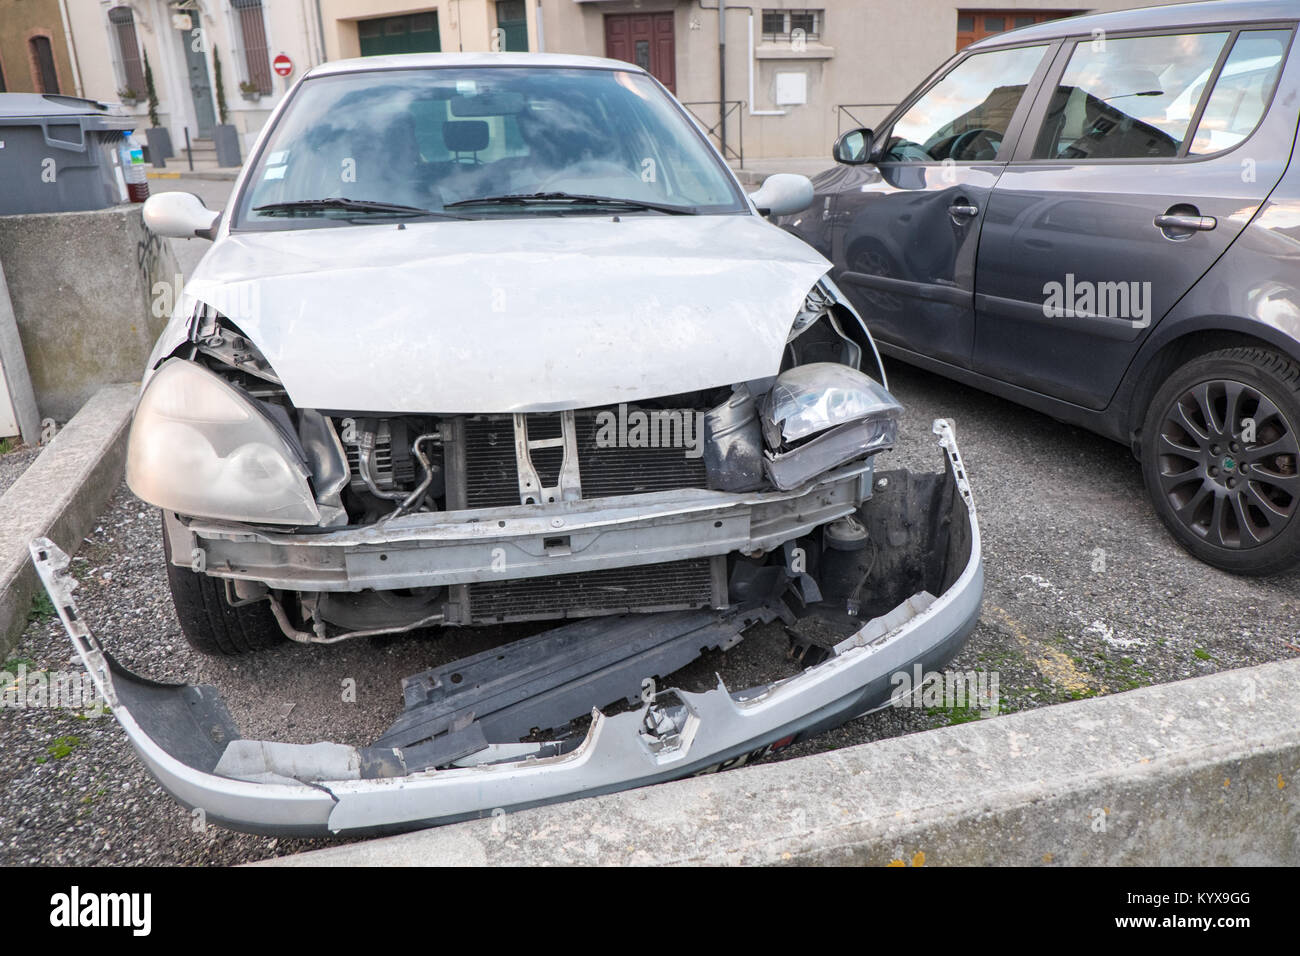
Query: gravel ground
pixel 13 464
pixel 1086 594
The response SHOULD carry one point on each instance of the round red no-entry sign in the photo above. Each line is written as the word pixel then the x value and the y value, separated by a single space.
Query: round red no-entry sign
pixel 282 65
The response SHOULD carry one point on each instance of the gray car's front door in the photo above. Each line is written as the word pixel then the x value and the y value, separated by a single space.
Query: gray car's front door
pixel 906 229
pixel 200 85
pixel 1124 190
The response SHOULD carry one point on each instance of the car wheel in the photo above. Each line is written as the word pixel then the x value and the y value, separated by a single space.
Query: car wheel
pixel 208 621
pixel 1219 452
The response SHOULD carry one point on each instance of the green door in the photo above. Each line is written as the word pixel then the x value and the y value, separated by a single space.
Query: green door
pixel 513 26
pixel 412 33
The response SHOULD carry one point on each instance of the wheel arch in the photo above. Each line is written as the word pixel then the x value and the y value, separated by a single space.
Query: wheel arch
pixel 1192 338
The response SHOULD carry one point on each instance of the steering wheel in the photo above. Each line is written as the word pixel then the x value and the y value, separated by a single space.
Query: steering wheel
pixel 991 140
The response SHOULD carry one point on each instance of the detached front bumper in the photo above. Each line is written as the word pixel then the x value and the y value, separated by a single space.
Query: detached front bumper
pixel 929 573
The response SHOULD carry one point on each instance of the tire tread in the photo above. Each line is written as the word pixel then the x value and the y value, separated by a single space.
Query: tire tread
pixel 210 625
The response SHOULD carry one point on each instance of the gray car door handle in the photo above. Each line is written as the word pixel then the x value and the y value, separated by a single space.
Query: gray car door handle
pixel 1201 223
pixel 964 210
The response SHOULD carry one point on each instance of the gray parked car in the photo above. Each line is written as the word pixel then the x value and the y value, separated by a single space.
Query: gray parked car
pixel 1099 218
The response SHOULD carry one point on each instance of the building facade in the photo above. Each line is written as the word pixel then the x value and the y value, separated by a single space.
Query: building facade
pixel 35 56
pixel 794 75
pixel 797 71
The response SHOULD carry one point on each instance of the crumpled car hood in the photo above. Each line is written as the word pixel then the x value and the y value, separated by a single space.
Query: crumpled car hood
pixel 509 315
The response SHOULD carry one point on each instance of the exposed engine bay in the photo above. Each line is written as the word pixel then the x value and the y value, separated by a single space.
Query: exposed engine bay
pixel 656 505
pixel 654 531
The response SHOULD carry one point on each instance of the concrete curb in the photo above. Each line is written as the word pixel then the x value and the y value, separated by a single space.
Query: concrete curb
pixel 59 496
pixel 1200 772
pixel 225 175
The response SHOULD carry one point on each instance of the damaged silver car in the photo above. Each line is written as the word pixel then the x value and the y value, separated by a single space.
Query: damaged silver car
pixel 499 338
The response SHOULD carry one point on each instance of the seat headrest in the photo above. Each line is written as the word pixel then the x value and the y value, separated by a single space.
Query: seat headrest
pixel 465 136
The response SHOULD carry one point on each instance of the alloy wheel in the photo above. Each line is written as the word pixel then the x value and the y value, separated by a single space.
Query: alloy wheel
pixel 1226 459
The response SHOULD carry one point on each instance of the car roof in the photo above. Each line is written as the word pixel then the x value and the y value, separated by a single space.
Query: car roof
pixel 409 61
pixel 1205 13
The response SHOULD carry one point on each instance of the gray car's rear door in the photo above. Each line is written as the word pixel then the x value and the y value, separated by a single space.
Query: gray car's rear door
pixel 1128 183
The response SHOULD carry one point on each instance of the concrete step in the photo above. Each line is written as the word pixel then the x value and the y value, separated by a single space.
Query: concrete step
pixel 204 152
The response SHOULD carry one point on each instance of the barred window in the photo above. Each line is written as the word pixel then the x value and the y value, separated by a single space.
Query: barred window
pixel 780 26
pixel 252 41
pixel 127 48
pixel 975 25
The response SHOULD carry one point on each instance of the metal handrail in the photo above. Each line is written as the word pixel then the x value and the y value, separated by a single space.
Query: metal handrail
pixel 843 110
pixel 714 131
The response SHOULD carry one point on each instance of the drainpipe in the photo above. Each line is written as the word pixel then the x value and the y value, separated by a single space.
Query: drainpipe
pixel 308 44
pixel 722 77
pixel 752 58
pixel 320 31
pixel 72 46
pixel 541 35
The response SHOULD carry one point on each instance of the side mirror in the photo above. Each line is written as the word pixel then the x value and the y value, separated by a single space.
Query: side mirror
pixel 783 194
pixel 854 147
pixel 180 216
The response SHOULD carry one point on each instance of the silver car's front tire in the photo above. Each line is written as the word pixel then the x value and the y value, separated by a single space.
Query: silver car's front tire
pixel 210 624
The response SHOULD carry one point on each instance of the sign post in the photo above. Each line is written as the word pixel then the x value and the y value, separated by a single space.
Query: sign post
pixel 283 66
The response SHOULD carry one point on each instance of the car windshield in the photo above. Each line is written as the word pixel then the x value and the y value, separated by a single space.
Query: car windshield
pixel 352 147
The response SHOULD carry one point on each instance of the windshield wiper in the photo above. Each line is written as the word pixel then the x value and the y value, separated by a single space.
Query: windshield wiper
pixel 576 199
pixel 352 205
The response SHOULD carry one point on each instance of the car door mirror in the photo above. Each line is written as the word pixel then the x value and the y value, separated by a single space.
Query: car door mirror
pixel 854 147
pixel 180 216
pixel 783 194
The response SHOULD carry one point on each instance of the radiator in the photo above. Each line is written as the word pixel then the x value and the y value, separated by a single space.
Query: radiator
pixel 491 479
pixel 491 475
pixel 675 585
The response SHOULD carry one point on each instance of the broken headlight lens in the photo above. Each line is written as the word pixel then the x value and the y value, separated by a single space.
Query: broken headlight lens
pixel 199 447
pixel 812 398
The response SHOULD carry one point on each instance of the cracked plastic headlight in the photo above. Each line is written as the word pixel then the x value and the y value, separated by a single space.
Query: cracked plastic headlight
pixel 812 398
pixel 199 447
pixel 822 415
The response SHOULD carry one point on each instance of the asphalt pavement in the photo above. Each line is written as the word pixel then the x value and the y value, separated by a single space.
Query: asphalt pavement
pixel 1086 594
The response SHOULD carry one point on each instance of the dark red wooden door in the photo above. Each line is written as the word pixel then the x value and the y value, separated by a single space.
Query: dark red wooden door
pixel 645 39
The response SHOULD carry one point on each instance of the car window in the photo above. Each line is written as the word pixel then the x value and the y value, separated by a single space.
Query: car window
pixel 429 138
pixel 1242 91
pixel 1127 98
pixel 965 115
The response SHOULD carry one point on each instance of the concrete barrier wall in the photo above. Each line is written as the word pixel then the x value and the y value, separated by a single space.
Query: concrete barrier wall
pixel 59 496
pixel 82 285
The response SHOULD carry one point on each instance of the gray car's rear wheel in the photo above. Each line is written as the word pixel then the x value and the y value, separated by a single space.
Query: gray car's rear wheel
pixel 1220 447
pixel 208 621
